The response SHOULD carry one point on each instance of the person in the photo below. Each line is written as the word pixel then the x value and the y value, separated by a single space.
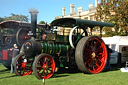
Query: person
pixel 15 51
pixel 109 51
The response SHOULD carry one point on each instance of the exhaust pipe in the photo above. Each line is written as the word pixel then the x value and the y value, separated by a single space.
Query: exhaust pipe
pixel 33 13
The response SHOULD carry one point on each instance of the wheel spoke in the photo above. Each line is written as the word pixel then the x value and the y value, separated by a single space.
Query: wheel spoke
pixel 43 72
pixel 97 65
pixel 39 69
pixel 41 61
pixel 101 60
pixel 98 49
pixel 51 62
pixel 91 42
pixel 18 64
pixel 24 70
pixel 45 60
pixel 94 68
pixel 50 70
pixel 101 53
pixel 28 67
pixel 39 64
pixel 89 63
pixel 19 70
pixel 47 72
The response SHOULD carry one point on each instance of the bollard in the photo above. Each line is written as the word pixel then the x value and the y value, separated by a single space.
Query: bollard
pixel 43 81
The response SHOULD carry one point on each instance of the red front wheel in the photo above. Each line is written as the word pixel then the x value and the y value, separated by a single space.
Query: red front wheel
pixel 43 66
pixel 22 65
pixel 91 54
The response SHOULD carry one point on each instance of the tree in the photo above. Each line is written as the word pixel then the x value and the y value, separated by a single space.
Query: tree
pixel 123 14
pixel 1 19
pixel 42 22
pixel 114 11
pixel 15 17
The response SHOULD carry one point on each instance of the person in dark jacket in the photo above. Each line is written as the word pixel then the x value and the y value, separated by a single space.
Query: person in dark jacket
pixel 109 51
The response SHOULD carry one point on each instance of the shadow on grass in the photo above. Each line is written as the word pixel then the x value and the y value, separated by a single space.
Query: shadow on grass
pixel 59 75
pixel 4 71
pixel 70 71
pixel 113 68
pixel 66 72
pixel 8 77
pixel 63 72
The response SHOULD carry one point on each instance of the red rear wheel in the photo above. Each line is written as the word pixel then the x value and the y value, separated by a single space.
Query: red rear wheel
pixel 91 54
pixel 22 65
pixel 43 66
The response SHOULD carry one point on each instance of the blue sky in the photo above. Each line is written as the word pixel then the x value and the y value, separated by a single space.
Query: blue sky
pixel 48 9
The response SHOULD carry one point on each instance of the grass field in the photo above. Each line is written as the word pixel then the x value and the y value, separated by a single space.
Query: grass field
pixel 114 77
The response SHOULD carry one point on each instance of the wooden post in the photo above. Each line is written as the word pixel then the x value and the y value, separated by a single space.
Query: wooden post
pixel 91 30
pixel 101 32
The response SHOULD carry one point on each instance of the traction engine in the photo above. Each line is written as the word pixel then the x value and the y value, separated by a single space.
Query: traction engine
pixel 65 44
pixel 12 32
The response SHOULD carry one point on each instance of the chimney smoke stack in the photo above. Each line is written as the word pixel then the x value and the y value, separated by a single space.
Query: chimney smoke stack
pixel 33 13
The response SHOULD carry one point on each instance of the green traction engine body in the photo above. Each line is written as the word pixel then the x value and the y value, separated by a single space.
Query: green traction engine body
pixel 56 45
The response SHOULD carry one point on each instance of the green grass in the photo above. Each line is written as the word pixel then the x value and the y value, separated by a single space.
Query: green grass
pixel 114 77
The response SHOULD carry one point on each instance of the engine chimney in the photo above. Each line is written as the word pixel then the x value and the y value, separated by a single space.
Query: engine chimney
pixel 33 13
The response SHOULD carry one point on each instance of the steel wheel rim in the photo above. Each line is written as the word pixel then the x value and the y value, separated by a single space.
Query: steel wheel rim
pixel 23 66
pixel 94 55
pixel 45 67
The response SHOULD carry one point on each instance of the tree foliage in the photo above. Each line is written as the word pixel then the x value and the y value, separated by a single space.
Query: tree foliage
pixel 1 19
pixel 15 17
pixel 42 22
pixel 114 11
pixel 112 33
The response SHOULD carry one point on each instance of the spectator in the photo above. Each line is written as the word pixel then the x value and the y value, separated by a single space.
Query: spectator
pixel 15 51
pixel 109 51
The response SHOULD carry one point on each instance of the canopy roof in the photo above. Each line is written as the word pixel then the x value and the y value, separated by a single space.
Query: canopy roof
pixel 14 24
pixel 71 22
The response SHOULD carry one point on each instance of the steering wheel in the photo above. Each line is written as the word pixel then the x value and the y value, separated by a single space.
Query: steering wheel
pixel 71 38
